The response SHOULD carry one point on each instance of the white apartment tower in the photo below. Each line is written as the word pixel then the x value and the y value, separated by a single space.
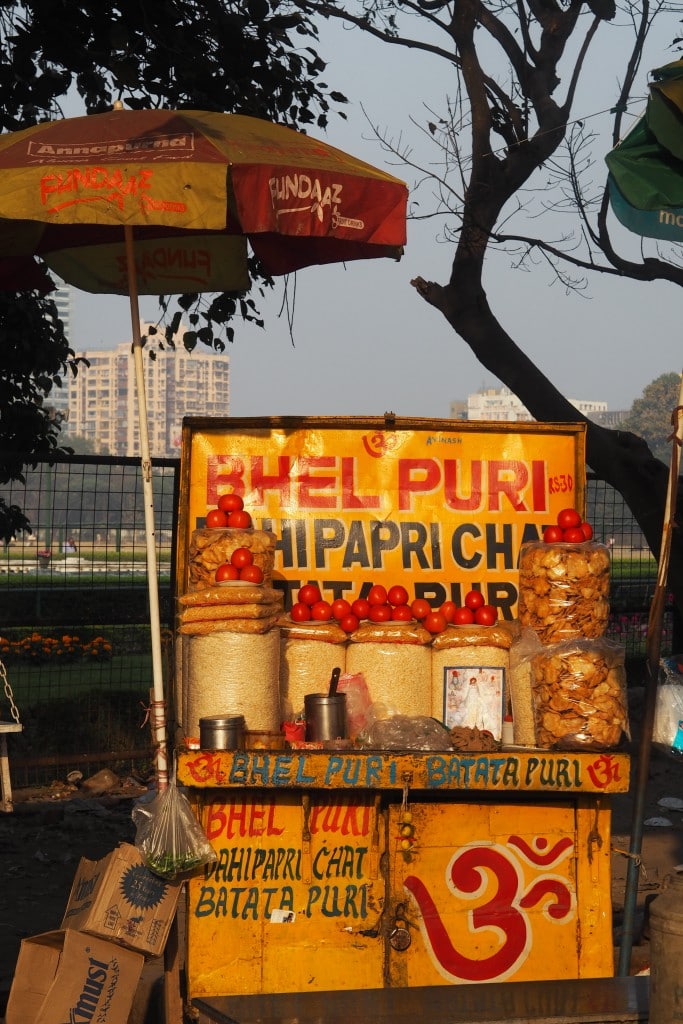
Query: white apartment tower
pixel 103 401
pixel 504 405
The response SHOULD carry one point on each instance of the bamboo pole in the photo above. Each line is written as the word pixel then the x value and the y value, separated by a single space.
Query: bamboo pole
pixel 158 710
pixel 652 653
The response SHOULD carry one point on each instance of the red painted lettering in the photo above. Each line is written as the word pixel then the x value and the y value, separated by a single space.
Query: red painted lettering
pixel 539 486
pixel 416 476
pixel 204 767
pixel 603 771
pixel 279 481
pixel 452 472
pixel 507 478
pixel 241 819
pixel 349 497
pixel 309 483
pixel 474 872
pixel 223 473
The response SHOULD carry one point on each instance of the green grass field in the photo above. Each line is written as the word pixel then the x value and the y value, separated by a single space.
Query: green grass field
pixel 50 681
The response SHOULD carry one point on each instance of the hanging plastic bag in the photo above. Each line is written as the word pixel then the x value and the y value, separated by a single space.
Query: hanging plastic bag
pixel 667 731
pixel 168 835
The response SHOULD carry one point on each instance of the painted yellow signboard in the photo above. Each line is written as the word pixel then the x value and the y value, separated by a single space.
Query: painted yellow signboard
pixel 441 506
pixel 504 772
pixel 322 891
pixel 295 897
pixel 492 895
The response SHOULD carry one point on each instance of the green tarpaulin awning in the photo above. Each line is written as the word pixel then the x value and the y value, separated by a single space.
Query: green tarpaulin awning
pixel 646 167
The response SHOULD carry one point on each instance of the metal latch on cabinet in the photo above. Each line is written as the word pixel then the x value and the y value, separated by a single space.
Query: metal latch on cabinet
pixel 399 937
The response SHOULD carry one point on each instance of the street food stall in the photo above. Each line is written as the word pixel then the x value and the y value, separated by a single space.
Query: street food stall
pixel 453 827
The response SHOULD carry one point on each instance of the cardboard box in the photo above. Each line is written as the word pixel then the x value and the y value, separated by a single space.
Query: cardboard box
pixel 119 899
pixel 68 976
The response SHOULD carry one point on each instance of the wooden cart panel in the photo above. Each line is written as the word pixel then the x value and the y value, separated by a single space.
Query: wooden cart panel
pixel 295 899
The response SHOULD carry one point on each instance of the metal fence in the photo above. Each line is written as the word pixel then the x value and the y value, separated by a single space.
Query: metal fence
pixel 74 615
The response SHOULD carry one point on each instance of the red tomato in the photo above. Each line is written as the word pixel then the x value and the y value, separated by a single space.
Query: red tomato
pixel 377 594
pixel 340 608
pixel 552 534
pixel 321 611
pixel 215 518
pixel 401 613
pixel 241 557
pixel 380 613
pixel 463 616
pixel 587 531
pixel 349 622
pixel 397 595
pixel 227 572
pixel 420 608
pixel 251 574
pixel 474 599
pixel 568 517
pixel 573 535
pixel 447 609
pixel 239 520
pixel 309 594
pixel 300 612
pixel 486 615
pixel 360 607
pixel 434 622
pixel 230 502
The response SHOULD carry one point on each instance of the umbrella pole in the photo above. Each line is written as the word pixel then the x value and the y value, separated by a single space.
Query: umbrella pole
pixel 653 648
pixel 158 709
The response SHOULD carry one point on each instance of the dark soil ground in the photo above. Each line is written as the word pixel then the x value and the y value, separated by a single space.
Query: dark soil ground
pixel 50 829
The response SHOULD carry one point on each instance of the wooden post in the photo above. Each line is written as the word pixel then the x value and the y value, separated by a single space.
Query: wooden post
pixel 173 1000
pixel 6 803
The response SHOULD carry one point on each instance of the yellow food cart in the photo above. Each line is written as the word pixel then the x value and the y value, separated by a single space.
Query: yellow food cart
pixel 351 869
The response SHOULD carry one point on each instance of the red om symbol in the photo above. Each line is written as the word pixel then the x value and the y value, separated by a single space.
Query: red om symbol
pixel 467 876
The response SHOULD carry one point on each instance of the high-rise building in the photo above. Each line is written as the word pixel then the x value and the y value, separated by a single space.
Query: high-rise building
pixel 58 399
pixel 504 406
pixel 103 400
pixel 62 300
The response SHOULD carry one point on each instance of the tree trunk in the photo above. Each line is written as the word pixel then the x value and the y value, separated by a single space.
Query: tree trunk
pixel 621 459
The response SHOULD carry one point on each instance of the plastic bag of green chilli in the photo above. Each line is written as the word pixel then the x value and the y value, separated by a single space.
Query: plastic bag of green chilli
pixel 168 835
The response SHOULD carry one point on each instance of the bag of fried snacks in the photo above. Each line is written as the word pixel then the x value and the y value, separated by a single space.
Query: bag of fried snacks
pixel 667 731
pixel 564 590
pixel 579 692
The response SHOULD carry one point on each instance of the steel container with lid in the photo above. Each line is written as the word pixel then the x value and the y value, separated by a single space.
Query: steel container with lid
pixel 325 716
pixel 221 732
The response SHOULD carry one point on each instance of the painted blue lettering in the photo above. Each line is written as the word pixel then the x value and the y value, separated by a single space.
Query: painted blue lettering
pixel 282 770
pixel 334 767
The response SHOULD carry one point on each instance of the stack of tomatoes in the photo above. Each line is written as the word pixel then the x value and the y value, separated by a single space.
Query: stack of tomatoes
pixel 390 604
pixel 569 529
pixel 474 610
pixel 381 605
pixel 240 567
pixel 230 514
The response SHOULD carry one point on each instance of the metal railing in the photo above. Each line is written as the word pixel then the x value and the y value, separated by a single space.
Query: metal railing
pixel 74 612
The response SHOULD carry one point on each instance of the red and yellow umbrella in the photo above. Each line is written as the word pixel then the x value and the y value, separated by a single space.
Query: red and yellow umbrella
pixel 196 188
pixel 161 202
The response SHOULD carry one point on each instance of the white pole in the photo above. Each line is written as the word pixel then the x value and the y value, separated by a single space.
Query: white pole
pixel 158 711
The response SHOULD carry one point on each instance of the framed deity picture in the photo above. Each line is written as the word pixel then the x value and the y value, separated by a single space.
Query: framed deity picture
pixel 474 698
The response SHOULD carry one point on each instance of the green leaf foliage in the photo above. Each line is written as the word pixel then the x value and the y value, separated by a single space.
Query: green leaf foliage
pixel 34 356
pixel 256 57
pixel 650 415
pixel 244 56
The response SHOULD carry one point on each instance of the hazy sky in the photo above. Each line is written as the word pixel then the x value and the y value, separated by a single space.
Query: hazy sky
pixel 363 340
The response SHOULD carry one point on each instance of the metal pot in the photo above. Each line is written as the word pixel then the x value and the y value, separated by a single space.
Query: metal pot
pixel 325 716
pixel 221 732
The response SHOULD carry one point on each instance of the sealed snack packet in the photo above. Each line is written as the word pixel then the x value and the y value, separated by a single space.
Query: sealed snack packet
pixel 579 692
